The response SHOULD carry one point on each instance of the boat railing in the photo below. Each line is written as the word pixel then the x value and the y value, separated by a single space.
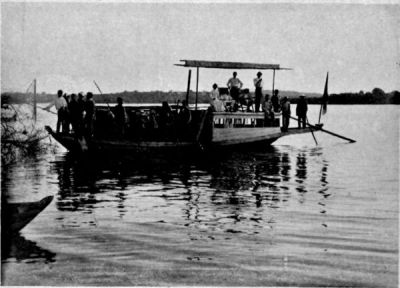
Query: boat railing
pixel 244 119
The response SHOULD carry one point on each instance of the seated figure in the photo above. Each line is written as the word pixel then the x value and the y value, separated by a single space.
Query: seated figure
pixel 215 100
pixel 244 100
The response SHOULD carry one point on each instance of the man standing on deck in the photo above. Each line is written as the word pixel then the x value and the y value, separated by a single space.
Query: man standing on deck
pixel 285 114
pixel 81 105
pixel 61 105
pixel 301 111
pixel 90 115
pixel 74 114
pixel 275 101
pixel 120 117
pixel 234 84
pixel 184 120
pixel 258 83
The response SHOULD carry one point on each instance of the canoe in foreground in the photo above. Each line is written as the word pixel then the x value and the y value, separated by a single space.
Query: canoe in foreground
pixel 16 216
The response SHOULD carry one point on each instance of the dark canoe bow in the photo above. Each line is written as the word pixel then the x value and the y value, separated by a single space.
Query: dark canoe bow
pixel 16 216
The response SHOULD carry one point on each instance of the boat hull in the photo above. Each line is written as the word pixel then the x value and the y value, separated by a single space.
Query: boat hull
pixel 243 136
pixel 220 138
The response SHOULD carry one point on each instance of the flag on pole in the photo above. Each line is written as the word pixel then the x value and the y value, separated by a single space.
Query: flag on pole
pixel 325 96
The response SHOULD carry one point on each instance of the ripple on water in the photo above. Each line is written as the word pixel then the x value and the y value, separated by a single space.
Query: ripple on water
pixel 291 215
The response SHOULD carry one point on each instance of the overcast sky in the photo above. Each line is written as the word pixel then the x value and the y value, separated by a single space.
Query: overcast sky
pixel 133 46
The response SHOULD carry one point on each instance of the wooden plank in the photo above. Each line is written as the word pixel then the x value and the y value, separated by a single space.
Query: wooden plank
pixel 240 141
pixel 228 136
pixel 246 134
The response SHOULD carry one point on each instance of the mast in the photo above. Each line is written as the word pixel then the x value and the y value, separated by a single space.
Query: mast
pixel 34 100
pixel 324 101
pixel 188 87
pixel 197 87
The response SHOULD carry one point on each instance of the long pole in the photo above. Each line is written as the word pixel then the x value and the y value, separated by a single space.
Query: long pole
pixel 188 87
pixel 326 131
pixel 197 88
pixel 97 87
pixel 312 132
pixel 34 100
pixel 108 105
pixel 43 109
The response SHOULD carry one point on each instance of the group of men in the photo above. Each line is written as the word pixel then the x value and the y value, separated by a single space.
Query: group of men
pixel 77 111
pixel 263 103
pixel 80 115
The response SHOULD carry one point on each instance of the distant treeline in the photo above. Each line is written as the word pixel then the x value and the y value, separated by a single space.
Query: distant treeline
pixel 376 96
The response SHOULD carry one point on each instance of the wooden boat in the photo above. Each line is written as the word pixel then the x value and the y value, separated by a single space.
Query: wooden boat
pixel 208 129
pixel 227 129
pixel 16 216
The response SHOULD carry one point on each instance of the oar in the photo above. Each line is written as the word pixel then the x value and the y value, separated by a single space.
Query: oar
pixel 312 132
pixel 52 112
pixel 201 130
pixel 108 105
pixel 326 131
pixel 44 109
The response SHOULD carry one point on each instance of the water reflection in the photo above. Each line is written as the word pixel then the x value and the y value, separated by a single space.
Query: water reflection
pixel 214 191
pixel 301 173
pixel 22 183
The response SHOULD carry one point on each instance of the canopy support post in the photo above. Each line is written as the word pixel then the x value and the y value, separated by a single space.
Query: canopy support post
pixel 188 87
pixel 197 88
pixel 273 83
pixel 34 100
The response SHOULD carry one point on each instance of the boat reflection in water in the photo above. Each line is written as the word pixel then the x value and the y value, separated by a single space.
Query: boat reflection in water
pixel 14 246
pixel 18 248
pixel 20 205
pixel 231 192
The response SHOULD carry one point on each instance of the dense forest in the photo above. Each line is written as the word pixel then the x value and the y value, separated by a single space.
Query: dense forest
pixel 376 96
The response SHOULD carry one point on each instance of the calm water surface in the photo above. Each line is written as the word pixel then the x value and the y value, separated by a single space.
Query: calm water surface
pixel 294 214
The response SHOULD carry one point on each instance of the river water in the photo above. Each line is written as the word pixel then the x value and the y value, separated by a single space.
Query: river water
pixel 294 214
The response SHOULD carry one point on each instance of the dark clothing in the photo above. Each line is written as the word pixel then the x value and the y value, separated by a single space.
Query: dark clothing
pixel 120 119
pixel 275 103
pixel 74 115
pixel 301 112
pixel 137 125
pixel 67 117
pixel 285 115
pixel 120 115
pixel 61 119
pixel 89 117
pixel 74 110
pixel 258 98
pixel 235 91
pixel 81 105
pixel 166 117
pixel 89 108
pixel 184 119
pixel 185 116
pixel 269 114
